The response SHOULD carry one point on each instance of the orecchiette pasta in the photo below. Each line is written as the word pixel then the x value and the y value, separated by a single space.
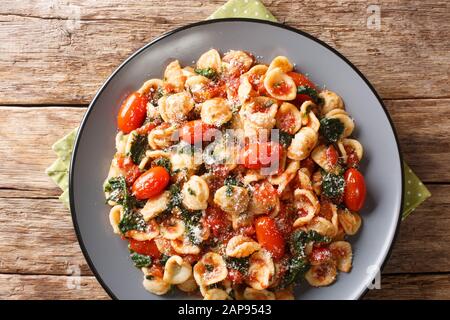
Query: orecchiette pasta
pixel 241 246
pixel 210 269
pixel 302 144
pixel 232 199
pixel 195 193
pixel 216 112
pixel 261 270
pixel 231 176
pixel 176 270
pixel 174 108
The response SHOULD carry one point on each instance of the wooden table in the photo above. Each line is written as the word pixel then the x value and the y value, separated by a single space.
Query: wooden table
pixel 54 56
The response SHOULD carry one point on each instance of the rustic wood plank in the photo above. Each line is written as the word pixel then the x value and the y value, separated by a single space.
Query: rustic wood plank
pixel 48 287
pixel 65 287
pixel 412 287
pixel 66 65
pixel 37 237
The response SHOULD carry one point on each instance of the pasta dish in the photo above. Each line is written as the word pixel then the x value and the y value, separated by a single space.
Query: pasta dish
pixel 235 179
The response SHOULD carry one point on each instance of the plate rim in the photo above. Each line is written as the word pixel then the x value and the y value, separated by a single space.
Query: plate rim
pixel 206 22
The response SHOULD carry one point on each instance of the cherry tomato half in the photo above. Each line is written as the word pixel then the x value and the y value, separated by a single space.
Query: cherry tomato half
pixel 151 183
pixel 194 131
pixel 147 248
pixel 355 189
pixel 132 112
pixel 259 155
pixel 269 236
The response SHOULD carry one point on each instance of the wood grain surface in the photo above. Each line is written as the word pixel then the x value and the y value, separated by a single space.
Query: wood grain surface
pixel 54 55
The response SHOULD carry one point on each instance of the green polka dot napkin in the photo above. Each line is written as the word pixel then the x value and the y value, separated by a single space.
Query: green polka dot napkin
pixel 415 191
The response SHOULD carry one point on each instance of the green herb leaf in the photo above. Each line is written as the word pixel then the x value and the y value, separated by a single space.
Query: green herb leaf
pixel 209 73
pixel 163 162
pixel 239 264
pixel 138 148
pixel 331 129
pixel 141 260
pixel 132 220
pixel 333 186
pixel 285 139
pixel 312 93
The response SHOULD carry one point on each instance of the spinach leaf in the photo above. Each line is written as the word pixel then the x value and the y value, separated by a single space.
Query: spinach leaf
pixel 117 187
pixel 163 162
pixel 312 93
pixel 239 264
pixel 141 260
pixel 229 182
pixel 296 268
pixel 191 221
pixel 285 139
pixel 209 73
pixel 132 220
pixel 163 259
pixel 331 129
pixel 138 148
pixel 333 186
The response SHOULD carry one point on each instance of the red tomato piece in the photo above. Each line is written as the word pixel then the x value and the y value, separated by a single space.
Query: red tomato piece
pixel 332 156
pixel 132 112
pixel 269 236
pixel 355 189
pixel 216 220
pixel 151 183
pixel 235 276
pixel 147 248
pixel 302 80
pixel 259 155
pixel 129 169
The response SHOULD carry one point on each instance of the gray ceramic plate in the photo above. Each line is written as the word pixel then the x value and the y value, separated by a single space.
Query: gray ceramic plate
pixel 107 254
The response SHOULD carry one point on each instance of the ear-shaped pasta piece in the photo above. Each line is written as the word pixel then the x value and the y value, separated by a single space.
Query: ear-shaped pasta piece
pixel 303 179
pixel 232 199
pixel 349 221
pixel 154 206
pixel 216 294
pixel 323 226
pixel 189 285
pixel 241 246
pixel 210 269
pixel 195 193
pixel 331 101
pixel 237 62
pixel 150 87
pixel 114 171
pixel 319 156
pixel 259 112
pixel 282 180
pixel 132 136
pixel 216 112
pixel 305 109
pixel 183 161
pixel 279 85
pixel 183 246
pixel 174 76
pixel 164 246
pixel 121 141
pixel 302 144
pixel 264 199
pixel 175 107
pixel 245 90
pixel 313 122
pixel 281 62
pixel 188 72
pixel 162 136
pixel 321 275
pixel 285 294
pixel 342 253
pixel 176 270
pixel 288 118
pixel 152 154
pixel 307 204
pixel 261 270
pixel 115 215
pixel 156 285
pixel 172 228
pixel 198 86
pixel 253 176
pixel 347 146
pixel 254 294
pixel 210 59
pixel 317 182
pixel 343 117
pixel 151 232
